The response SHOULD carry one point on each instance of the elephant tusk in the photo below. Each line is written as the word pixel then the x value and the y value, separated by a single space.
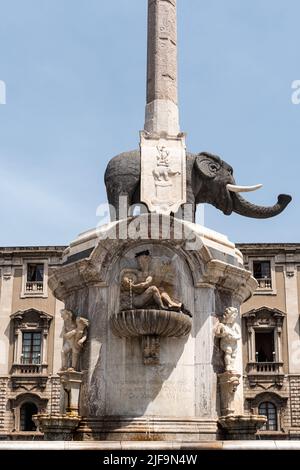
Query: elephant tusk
pixel 242 189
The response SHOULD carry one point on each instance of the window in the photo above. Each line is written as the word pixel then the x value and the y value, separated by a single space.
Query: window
pixel 27 410
pixel 35 277
pixel 270 411
pixel 31 348
pixel 30 330
pixel 265 338
pixel 264 346
pixel 262 273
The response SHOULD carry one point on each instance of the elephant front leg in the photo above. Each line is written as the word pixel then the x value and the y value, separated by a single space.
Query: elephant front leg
pixel 118 205
pixel 187 211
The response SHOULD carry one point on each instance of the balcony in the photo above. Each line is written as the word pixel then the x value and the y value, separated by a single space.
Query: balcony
pixel 265 372
pixel 29 369
pixel 264 284
pixel 29 375
pixel 265 368
pixel 34 287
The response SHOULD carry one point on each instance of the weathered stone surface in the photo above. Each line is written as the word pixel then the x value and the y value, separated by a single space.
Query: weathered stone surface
pixel 162 51
pixel 161 108
pixel 241 427
pixel 163 173
pixel 57 427
pixel 135 323
pixel 228 384
pixel 118 388
pixel 152 428
pixel 71 381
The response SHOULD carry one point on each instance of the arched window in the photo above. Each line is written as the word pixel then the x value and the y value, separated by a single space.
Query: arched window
pixel 270 411
pixel 27 410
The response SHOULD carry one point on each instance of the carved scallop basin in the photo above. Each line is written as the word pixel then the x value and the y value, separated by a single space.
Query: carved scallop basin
pixel 150 325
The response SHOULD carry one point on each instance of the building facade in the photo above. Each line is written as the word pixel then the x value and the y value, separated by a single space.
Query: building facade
pixel 271 338
pixel 31 339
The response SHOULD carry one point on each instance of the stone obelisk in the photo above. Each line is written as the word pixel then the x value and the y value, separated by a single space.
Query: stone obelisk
pixel 163 149
pixel 162 96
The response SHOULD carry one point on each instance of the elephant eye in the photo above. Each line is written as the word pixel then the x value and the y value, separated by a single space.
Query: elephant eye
pixel 213 167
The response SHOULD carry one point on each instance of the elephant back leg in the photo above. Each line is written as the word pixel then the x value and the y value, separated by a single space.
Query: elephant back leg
pixel 119 200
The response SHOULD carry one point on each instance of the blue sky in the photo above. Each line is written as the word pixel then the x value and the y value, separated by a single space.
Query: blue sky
pixel 75 78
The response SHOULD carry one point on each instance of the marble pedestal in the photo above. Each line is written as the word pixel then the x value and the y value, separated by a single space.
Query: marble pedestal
pixel 175 396
pixel 57 427
pixel 241 427
pixel 71 381
pixel 228 385
pixel 62 427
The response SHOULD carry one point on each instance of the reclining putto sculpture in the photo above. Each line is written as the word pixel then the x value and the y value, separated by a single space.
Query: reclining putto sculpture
pixel 143 292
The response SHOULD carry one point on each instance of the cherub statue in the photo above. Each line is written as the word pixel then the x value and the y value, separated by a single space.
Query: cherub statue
pixel 229 333
pixel 75 335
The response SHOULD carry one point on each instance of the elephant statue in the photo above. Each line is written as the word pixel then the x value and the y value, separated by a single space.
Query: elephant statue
pixel 208 180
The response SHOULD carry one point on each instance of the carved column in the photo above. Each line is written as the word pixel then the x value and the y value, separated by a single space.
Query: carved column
pixel 278 344
pixel 18 356
pixel 44 347
pixel 252 356
pixel 161 109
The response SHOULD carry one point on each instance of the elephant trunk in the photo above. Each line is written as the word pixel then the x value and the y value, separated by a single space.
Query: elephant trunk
pixel 247 209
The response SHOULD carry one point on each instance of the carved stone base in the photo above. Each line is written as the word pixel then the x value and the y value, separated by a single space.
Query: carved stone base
pixel 228 383
pixel 71 381
pixel 57 427
pixel 126 428
pixel 151 350
pixel 150 325
pixel 198 268
pixel 241 427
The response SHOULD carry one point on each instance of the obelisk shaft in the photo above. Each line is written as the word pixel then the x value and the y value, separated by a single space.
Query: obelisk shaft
pixel 162 99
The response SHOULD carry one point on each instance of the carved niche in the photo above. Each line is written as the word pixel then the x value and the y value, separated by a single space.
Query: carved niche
pixel 150 303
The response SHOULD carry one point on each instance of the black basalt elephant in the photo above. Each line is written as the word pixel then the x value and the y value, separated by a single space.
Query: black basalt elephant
pixel 209 180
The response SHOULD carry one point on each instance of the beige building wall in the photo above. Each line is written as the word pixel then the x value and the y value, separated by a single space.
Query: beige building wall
pixel 285 294
pixel 272 300
pixel 276 384
pixel 5 311
pixel 38 385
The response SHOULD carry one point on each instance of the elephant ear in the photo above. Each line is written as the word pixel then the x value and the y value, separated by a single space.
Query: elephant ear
pixel 208 164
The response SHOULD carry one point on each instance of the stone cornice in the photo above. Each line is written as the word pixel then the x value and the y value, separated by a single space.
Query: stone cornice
pixel 234 279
